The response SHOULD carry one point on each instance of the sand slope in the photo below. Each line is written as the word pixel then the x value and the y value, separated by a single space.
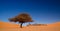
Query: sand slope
pixel 5 26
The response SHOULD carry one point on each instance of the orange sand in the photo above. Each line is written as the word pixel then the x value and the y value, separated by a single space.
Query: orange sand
pixel 7 26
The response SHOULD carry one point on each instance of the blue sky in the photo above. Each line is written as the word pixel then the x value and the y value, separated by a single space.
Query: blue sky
pixel 41 11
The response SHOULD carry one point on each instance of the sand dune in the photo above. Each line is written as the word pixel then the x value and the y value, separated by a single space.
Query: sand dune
pixel 6 26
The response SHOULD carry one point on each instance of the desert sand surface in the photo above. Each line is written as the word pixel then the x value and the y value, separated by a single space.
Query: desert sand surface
pixel 7 26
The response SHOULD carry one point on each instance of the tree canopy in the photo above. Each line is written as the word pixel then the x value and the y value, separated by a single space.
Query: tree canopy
pixel 21 18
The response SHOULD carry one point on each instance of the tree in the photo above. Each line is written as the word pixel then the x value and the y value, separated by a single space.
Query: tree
pixel 21 18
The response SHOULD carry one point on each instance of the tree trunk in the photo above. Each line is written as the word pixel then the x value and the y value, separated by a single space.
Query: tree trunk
pixel 21 25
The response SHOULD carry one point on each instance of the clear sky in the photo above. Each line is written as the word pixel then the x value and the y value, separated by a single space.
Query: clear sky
pixel 41 11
